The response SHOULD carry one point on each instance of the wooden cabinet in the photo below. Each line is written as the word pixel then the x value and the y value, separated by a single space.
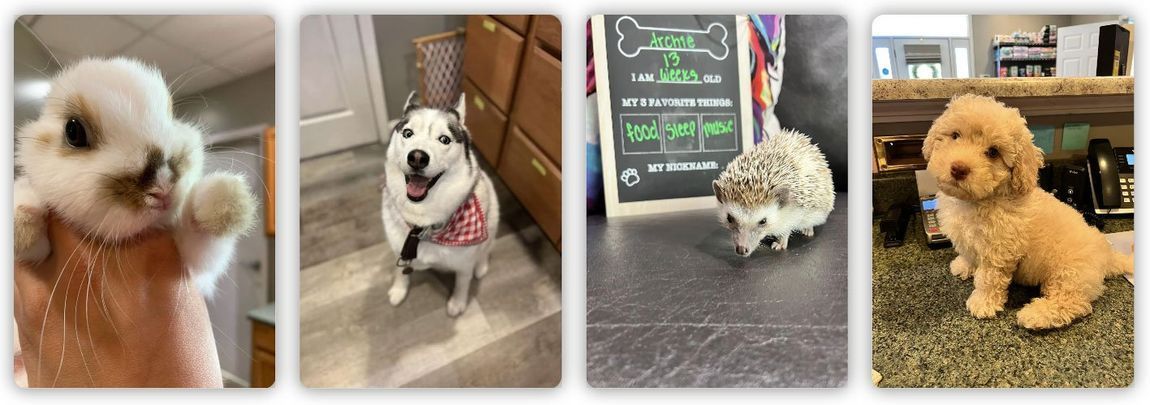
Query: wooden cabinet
pixel 535 180
pixel 513 68
pixel 491 58
pixel 263 355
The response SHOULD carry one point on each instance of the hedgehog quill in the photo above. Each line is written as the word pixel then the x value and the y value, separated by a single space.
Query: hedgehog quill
pixel 777 188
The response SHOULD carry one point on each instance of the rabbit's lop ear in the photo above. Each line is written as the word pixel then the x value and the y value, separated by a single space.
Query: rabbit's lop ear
pixel 461 107
pixel 411 104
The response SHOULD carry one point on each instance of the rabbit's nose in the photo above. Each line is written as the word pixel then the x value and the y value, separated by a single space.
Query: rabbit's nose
pixel 959 170
pixel 418 159
pixel 159 199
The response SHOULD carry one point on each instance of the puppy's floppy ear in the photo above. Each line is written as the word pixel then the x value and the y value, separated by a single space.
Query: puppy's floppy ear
pixel 718 192
pixel 411 104
pixel 461 107
pixel 928 145
pixel 1028 158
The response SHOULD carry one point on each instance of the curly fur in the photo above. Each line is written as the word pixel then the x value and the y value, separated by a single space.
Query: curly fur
pixel 778 187
pixel 1004 228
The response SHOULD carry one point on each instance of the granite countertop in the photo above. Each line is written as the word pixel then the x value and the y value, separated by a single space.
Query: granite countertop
pixel 900 90
pixel 669 304
pixel 265 314
pixel 923 336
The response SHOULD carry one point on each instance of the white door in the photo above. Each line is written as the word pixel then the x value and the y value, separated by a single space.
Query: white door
pixel 246 285
pixel 338 109
pixel 1078 50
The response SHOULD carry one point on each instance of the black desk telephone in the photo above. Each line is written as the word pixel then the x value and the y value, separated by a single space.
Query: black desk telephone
pixel 1111 172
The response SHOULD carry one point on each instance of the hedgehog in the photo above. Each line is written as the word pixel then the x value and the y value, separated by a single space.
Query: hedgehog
pixel 780 186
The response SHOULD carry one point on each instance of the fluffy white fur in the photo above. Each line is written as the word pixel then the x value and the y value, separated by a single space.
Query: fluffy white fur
pixel 126 103
pixel 1003 226
pixel 779 187
pixel 461 176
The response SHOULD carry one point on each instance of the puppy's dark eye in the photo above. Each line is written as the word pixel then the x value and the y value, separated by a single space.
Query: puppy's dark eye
pixel 444 139
pixel 76 134
pixel 992 152
pixel 954 135
pixel 730 219
pixel 407 133
pixel 763 221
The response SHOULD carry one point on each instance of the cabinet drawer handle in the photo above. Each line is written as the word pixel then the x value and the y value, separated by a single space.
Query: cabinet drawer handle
pixel 480 104
pixel 489 25
pixel 539 167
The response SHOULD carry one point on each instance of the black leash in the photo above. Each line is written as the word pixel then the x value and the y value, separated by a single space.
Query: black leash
pixel 410 249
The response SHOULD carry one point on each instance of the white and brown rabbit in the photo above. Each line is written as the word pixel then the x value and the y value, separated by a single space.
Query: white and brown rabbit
pixel 109 158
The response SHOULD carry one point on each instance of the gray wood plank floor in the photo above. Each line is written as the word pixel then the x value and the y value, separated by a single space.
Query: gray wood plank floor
pixel 351 337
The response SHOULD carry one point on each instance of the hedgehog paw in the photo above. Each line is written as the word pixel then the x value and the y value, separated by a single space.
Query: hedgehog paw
pixel 808 232
pixel 780 244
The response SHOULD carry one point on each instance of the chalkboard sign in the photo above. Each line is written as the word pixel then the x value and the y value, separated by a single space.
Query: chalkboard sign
pixel 674 107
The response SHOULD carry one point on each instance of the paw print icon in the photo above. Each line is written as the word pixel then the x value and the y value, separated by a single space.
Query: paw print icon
pixel 630 177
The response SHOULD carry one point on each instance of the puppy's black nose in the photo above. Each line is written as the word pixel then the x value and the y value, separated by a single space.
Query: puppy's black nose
pixel 958 170
pixel 418 159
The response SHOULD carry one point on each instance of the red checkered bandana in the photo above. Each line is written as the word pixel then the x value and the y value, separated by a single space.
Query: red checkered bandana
pixel 468 226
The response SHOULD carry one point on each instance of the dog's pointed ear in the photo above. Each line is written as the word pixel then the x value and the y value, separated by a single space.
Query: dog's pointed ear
pixel 461 107
pixel 1024 172
pixel 411 104
pixel 718 192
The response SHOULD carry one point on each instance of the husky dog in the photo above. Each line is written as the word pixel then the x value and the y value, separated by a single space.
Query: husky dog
pixel 439 208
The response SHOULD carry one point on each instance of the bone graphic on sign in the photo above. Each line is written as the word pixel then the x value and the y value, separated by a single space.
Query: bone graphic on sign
pixel 635 38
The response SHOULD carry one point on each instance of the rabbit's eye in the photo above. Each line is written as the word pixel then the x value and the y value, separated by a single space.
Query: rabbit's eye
pixel 407 133
pixel 76 134
pixel 444 140
pixel 954 135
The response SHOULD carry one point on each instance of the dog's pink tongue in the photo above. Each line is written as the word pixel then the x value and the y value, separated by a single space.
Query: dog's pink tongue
pixel 417 186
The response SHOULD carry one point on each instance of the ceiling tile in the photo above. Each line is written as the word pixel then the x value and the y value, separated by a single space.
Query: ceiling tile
pixel 213 35
pixel 256 55
pixel 98 35
pixel 144 22
pixel 171 60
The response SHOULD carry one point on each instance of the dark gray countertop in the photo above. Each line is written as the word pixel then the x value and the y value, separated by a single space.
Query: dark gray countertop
pixel 923 336
pixel 669 304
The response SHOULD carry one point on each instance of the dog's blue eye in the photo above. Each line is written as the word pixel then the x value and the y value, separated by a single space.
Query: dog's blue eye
pixel 444 139
pixel 407 133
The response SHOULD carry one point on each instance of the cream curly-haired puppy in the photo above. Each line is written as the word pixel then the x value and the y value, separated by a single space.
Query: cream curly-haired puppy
pixel 1003 226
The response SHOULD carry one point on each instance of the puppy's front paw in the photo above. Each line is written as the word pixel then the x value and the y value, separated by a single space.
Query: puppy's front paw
pixel 1042 313
pixel 221 205
pixel 455 306
pixel 397 294
pixel 982 305
pixel 960 268
pixel 31 235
